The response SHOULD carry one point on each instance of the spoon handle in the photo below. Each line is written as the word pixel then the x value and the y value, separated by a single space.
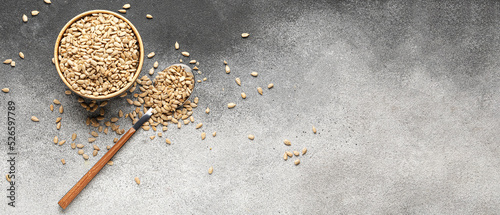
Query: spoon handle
pixel 71 194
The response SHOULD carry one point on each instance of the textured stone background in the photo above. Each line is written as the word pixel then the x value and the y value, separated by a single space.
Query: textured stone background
pixel 405 96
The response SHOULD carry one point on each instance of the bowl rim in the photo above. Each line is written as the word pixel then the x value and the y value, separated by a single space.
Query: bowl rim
pixel 139 67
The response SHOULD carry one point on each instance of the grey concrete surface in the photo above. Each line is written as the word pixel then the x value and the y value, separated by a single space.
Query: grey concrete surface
pixel 405 96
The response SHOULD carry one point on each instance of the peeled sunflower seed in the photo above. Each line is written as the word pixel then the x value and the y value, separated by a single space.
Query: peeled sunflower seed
pixel 168 141
pixel 251 137
pixel 254 74
pixel 58 119
pixel 57 102
pixel 150 55
pixel 63 161
pixel 126 6
pixel 296 153
pixel 215 133
pixel 192 61
pixel 61 109
pixel 289 154
pixel 110 163
pixel 287 142
pixel 304 150
pixel 245 35
pixel 67 92
pixel 185 54
pixel 238 81
pixel 51 107
pixel 34 13
pixel 79 146
pixel 314 129
pixel 58 125
pixel 12 64
pixel 285 156
pixel 297 162
pixel 8 61
pixel 149 16
pixel 62 142
pixel 210 170
pixel 207 110
pixel 203 135
pixel 259 89
pixel 243 95
pixel 85 156
pixel 5 90
pixel 73 145
pixel 122 11
pixel 80 152
pixel 34 119
pixel 176 46
pixel 47 1
pixel 137 180
pixel 91 139
pixel 155 65
pixel 231 105
pixel 199 125
pixel 271 85
pixel 21 55
pixel 152 71
pixel 228 70
pixel 56 140
pixel 25 18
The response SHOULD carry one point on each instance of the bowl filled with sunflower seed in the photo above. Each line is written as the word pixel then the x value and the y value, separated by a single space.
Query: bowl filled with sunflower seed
pixel 99 54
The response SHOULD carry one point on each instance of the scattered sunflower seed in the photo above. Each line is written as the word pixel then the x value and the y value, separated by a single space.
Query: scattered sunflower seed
pixel 231 105
pixel 93 133
pixel 63 161
pixel 91 139
pixel 137 180
pixel 228 70
pixel 21 55
pixel 34 119
pixel 314 129
pixel 238 81
pixel 12 64
pixel 149 16
pixel 47 1
pixel 207 110
pixel 94 153
pixel 56 140
pixel 176 46
pixel 155 65
pixel 225 62
pixel 61 109
pixel 8 178
pixel 199 125
pixel 151 71
pixel 243 95
pixel 34 12
pixel 285 156
pixel 122 11
pixel 73 145
pixel 245 35
pixel 25 18
pixel 251 137
pixel 210 170
pixel 289 154
pixel 80 152
pixel 168 141
pixel 259 89
pixel 192 61
pixel 5 90
pixel 57 102
pixel 62 142
pixel 287 142
pixel 8 61
pixel 67 92
pixel 79 146
pixel 271 85
pixel 254 74
pixel 215 133
pixel 296 153
pixel 110 163
pixel 126 6
pixel 304 150
pixel 203 135
pixel 51 107
pixel 185 54
pixel 150 55
pixel 297 162
pixel 85 156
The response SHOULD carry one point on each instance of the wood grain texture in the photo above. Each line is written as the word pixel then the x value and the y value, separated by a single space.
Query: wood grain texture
pixel 75 190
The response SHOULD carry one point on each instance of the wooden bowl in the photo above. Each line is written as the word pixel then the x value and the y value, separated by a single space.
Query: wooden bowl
pixel 137 72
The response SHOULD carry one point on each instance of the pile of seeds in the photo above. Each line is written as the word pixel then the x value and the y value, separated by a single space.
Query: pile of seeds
pixel 98 54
